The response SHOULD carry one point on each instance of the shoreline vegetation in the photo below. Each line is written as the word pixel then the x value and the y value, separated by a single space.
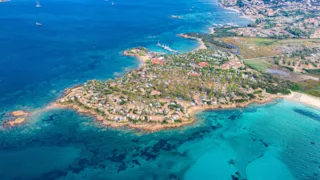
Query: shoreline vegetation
pixel 166 91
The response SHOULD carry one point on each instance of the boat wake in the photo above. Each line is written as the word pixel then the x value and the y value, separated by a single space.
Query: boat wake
pixel 167 48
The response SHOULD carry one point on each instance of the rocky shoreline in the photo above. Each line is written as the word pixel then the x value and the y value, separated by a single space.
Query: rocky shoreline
pixel 151 127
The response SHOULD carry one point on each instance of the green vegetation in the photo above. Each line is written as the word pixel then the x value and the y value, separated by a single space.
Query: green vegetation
pixel 313 71
pixel 258 64
pixel 297 32
pixel 288 68
pixel 209 39
pixel 302 53
pixel 165 91
pixel 264 41
pixel 310 87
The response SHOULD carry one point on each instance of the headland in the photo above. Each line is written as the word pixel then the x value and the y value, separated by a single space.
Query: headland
pixel 167 90
pixel 230 69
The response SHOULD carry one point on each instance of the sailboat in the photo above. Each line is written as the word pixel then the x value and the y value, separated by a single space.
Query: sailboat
pixel 38 4
pixel 38 24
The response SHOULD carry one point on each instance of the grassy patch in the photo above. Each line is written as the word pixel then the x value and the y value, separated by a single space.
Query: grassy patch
pixel 264 42
pixel 310 87
pixel 264 47
pixel 258 64
pixel 254 47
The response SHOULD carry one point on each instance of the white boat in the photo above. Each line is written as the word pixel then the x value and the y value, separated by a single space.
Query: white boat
pixel 166 48
pixel 38 4
pixel 175 17
pixel 112 3
pixel 38 24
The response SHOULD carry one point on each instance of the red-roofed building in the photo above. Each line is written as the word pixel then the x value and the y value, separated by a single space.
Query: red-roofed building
pixel 203 64
pixel 225 66
pixel 154 92
pixel 158 61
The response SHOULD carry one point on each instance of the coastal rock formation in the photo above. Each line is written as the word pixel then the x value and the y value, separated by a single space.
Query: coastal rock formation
pixel 20 117
pixel 16 121
pixel 18 113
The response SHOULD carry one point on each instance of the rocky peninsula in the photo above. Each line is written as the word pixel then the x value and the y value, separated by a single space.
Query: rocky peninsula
pixel 228 70
pixel 167 90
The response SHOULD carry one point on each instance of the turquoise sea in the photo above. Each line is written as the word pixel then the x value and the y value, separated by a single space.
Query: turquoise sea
pixel 83 39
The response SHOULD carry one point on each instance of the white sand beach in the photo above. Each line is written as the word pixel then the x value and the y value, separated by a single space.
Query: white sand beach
pixel 304 98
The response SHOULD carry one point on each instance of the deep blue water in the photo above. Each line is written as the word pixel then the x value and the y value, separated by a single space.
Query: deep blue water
pixel 81 40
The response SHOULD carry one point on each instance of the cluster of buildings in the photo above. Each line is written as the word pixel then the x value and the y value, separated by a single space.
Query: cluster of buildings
pixel 278 18
pixel 301 59
pixel 262 32
pixel 164 89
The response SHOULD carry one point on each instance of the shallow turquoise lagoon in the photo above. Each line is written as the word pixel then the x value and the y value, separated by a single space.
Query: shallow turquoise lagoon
pixel 275 141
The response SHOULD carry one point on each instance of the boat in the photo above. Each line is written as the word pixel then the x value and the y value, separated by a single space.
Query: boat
pixel 175 17
pixel 166 48
pixel 38 4
pixel 112 3
pixel 38 24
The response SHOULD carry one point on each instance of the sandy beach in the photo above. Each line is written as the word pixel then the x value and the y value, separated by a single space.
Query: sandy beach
pixel 142 59
pixel 304 98
pixel 201 46
pixel 211 30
